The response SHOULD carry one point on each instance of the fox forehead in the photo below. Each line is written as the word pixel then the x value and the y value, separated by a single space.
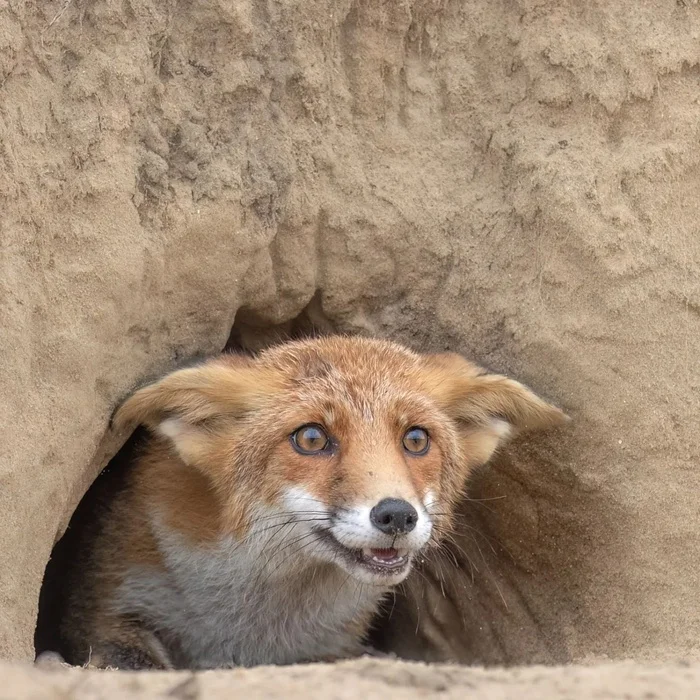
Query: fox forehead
pixel 350 387
pixel 349 399
pixel 358 360
pixel 362 374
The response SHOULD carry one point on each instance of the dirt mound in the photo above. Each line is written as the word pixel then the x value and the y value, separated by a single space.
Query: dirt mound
pixel 515 181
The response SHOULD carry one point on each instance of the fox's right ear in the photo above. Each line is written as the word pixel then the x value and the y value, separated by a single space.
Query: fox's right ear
pixel 180 405
pixel 487 408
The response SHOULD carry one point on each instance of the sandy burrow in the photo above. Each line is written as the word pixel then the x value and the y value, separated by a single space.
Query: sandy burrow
pixel 517 181
pixel 366 680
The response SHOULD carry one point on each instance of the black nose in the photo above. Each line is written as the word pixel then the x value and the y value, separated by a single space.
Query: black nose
pixel 394 516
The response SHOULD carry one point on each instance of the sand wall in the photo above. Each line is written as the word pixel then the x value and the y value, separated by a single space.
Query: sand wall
pixel 514 180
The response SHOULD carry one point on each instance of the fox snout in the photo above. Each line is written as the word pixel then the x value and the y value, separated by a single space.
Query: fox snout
pixel 387 535
pixel 377 543
pixel 389 522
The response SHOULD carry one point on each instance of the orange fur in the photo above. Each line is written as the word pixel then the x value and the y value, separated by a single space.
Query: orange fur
pixel 221 450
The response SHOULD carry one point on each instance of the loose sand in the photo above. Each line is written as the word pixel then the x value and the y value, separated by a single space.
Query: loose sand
pixel 369 680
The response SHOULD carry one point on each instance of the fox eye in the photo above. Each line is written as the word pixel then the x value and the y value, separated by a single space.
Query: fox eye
pixel 310 440
pixel 416 441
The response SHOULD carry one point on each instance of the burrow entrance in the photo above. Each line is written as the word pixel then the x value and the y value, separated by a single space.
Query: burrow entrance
pixel 496 594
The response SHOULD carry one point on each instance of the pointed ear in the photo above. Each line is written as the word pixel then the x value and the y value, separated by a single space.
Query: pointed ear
pixel 488 408
pixel 182 404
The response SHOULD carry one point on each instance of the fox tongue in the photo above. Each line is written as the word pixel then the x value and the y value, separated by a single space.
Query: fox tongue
pixel 385 554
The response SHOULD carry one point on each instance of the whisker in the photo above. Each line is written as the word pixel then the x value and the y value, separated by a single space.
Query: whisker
pixel 315 500
pixel 393 604
pixel 294 553
pixel 249 539
pixel 294 541
pixel 290 514
pixel 340 588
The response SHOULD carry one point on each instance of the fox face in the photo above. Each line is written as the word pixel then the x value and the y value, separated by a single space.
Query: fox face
pixel 345 452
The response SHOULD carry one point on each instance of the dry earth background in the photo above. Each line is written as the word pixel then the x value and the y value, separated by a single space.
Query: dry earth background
pixel 516 180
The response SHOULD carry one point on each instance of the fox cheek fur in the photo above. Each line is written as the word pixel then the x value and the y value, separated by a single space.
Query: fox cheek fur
pixel 282 496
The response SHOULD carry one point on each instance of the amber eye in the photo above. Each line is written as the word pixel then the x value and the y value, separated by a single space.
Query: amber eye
pixel 416 441
pixel 310 440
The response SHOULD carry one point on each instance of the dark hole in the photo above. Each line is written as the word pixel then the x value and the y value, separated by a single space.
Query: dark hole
pixel 67 558
pixel 251 333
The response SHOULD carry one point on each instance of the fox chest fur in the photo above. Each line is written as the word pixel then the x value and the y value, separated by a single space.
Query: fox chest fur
pixel 230 606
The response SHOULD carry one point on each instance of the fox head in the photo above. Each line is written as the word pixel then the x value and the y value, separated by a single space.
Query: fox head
pixel 357 450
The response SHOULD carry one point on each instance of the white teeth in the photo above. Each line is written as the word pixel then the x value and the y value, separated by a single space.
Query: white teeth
pixel 400 555
pixel 385 562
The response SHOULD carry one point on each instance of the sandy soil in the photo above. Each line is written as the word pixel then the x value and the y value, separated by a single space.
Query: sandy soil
pixel 372 680
pixel 517 181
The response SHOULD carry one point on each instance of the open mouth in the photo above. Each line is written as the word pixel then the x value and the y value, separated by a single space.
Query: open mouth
pixel 388 560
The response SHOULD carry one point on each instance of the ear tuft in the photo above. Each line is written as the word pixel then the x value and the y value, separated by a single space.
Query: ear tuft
pixel 182 405
pixel 190 442
pixel 171 428
pixel 501 428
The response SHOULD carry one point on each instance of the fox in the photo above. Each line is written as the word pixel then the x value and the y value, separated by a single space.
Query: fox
pixel 279 498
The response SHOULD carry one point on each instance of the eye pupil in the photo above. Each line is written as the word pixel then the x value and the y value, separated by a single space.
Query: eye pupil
pixel 416 441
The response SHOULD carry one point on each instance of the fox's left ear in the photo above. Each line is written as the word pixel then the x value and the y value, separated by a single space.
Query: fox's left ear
pixel 488 408
pixel 185 404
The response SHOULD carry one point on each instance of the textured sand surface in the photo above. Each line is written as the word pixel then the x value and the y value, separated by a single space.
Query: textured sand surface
pixel 370 680
pixel 517 181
